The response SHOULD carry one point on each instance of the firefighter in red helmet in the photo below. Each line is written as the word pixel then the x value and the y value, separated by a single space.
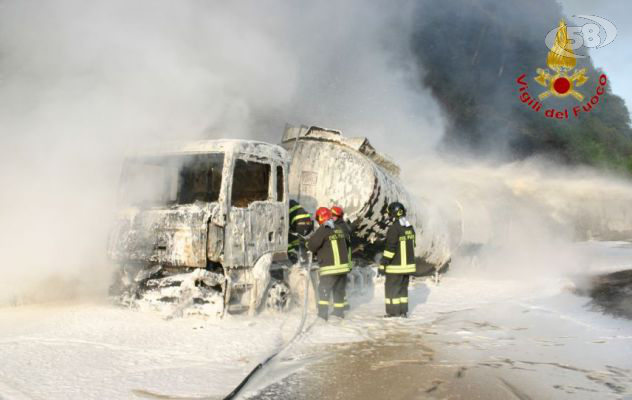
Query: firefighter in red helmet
pixel 329 244
pixel 337 214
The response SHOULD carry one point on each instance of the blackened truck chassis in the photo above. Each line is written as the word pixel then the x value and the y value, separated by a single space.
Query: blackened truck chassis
pixel 204 225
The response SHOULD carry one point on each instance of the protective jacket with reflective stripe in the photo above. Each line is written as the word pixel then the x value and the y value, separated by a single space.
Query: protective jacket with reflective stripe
pixel 329 245
pixel 399 252
pixel 347 228
pixel 300 222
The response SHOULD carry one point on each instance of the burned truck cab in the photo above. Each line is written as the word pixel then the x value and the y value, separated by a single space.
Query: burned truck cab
pixel 256 205
pixel 200 223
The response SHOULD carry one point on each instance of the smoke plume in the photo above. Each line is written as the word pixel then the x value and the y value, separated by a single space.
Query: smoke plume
pixel 83 82
pixel 472 53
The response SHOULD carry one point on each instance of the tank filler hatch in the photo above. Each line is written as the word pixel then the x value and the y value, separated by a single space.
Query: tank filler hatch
pixel 359 144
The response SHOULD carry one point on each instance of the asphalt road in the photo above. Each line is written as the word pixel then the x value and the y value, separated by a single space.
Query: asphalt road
pixel 401 366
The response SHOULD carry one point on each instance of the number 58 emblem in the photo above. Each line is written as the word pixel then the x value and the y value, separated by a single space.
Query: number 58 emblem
pixel 589 35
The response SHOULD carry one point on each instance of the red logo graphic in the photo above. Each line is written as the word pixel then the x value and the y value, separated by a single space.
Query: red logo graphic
pixel 561 80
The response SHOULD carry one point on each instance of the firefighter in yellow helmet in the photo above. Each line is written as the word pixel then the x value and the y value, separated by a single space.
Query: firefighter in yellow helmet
pixel 329 244
pixel 398 261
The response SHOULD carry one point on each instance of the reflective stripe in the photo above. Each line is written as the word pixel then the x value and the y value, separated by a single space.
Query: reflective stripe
pixel 323 302
pixel 337 268
pixel 401 269
pixel 296 207
pixel 299 216
pixel 387 301
pixel 388 254
pixel 334 269
pixel 339 305
pixel 403 300
pixel 334 248
pixel 395 301
pixel 381 268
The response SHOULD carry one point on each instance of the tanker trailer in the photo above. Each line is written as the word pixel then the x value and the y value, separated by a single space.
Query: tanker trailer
pixel 329 169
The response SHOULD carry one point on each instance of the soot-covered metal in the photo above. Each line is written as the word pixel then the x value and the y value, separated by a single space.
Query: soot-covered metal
pixel 225 250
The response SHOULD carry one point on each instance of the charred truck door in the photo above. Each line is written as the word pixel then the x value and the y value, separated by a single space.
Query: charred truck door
pixel 257 212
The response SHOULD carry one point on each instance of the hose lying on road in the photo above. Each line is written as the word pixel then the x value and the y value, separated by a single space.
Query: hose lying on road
pixel 259 366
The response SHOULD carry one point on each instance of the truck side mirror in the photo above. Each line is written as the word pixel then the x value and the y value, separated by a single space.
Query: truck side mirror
pixel 219 215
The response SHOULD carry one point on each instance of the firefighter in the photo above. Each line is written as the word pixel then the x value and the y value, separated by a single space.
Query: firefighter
pixel 300 224
pixel 337 215
pixel 398 261
pixel 329 244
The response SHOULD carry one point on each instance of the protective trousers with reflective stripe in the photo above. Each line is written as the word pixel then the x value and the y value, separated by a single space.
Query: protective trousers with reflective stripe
pixel 346 302
pixel 331 286
pixel 396 294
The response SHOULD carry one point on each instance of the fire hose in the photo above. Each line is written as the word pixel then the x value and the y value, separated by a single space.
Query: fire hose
pixel 298 332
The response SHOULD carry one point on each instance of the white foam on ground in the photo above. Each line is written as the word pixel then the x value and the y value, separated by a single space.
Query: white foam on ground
pixel 99 351
pixel 95 350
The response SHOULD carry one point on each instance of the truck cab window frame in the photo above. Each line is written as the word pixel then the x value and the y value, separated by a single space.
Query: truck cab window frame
pixel 200 178
pixel 171 179
pixel 280 184
pixel 251 182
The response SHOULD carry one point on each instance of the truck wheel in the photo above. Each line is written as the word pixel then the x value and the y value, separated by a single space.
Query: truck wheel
pixel 278 298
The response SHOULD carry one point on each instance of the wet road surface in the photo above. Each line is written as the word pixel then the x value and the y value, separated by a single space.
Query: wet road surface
pixel 401 366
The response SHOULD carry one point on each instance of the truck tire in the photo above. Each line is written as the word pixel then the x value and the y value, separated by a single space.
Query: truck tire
pixel 278 296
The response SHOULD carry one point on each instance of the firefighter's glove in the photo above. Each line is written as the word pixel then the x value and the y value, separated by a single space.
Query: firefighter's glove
pixel 302 238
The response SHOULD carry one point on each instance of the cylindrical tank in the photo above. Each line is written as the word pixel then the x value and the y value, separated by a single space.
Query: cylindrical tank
pixel 328 169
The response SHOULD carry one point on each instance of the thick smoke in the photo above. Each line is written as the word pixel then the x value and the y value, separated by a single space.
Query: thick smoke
pixel 523 219
pixel 519 218
pixel 472 53
pixel 83 82
pixel 611 58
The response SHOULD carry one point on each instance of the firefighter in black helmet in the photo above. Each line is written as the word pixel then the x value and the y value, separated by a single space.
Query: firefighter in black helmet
pixel 330 246
pixel 398 261
pixel 300 224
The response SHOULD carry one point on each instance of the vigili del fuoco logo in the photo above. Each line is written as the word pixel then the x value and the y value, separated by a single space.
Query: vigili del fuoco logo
pixel 562 79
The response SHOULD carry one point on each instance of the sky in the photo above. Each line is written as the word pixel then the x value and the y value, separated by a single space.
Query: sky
pixel 616 58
